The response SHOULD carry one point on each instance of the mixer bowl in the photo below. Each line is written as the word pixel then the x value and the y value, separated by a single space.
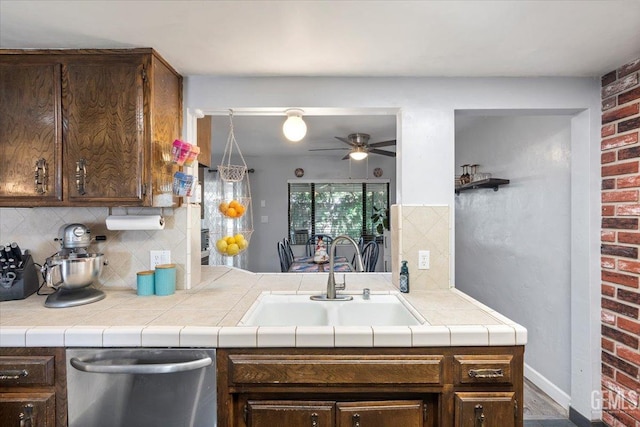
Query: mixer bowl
pixel 80 270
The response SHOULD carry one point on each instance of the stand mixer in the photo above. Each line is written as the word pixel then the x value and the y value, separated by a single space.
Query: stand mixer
pixel 72 270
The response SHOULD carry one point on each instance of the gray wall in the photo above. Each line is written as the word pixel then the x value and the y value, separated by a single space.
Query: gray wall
pixel 513 246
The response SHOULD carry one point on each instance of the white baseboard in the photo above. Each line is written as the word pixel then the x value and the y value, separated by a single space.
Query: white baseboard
pixel 559 396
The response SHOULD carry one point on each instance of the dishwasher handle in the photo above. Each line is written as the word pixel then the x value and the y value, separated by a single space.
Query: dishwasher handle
pixel 87 365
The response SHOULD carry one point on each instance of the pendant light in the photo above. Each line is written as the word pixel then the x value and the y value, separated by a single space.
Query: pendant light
pixel 294 128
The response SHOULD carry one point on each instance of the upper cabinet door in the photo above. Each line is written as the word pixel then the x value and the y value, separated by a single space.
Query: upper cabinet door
pixel 30 135
pixel 103 130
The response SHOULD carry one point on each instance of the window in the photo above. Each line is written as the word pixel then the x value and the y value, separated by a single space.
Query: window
pixel 335 208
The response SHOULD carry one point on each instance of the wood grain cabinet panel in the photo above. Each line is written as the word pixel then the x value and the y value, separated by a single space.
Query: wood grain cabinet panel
pixel 480 409
pixel 103 121
pixel 28 409
pixel 290 413
pixel 380 414
pixel 483 369
pixel 30 134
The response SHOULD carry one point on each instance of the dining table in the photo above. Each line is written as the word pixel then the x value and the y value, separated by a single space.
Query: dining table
pixel 305 264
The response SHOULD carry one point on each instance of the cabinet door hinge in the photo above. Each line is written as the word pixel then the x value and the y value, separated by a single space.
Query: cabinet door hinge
pixel 425 413
pixel 144 73
pixel 515 409
pixel 144 189
pixel 245 414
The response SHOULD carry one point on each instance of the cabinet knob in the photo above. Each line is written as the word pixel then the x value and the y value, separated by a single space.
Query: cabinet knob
pixel 314 420
pixel 26 418
pixel 479 415
pixel 356 420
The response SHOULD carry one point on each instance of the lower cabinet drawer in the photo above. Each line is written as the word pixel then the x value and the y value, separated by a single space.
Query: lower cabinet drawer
pixel 483 369
pixel 26 370
pixel 335 369
pixel 38 408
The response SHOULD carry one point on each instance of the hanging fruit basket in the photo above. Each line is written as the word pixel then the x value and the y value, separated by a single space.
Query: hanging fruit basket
pixel 232 172
pixel 234 208
pixel 233 243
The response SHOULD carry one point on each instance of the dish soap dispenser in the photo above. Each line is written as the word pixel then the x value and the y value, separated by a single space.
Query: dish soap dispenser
pixel 404 278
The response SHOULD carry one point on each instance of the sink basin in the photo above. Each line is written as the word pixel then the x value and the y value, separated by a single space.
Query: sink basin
pixel 299 310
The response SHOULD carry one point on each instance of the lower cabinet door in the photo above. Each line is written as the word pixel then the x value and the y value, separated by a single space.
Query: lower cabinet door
pixel 28 409
pixel 476 409
pixel 392 413
pixel 272 413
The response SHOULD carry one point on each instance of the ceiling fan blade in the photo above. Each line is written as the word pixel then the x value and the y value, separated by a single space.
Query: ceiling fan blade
pixel 345 157
pixel 327 149
pixel 345 140
pixel 383 152
pixel 383 143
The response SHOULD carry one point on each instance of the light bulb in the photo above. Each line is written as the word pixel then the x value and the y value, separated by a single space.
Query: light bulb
pixel 294 128
pixel 358 154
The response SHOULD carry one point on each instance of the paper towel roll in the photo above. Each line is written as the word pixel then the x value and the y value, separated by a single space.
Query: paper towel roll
pixel 135 222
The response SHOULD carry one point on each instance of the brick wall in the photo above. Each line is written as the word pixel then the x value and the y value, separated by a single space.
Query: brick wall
pixel 620 243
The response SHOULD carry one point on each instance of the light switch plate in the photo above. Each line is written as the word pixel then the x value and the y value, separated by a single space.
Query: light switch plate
pixel 424 258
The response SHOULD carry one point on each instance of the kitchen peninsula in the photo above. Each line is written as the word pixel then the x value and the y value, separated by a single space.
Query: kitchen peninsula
pixel 465 363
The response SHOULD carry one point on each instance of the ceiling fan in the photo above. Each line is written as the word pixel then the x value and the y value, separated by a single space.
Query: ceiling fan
pixel 360 147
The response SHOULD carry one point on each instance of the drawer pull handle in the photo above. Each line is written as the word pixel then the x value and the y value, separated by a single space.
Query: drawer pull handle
pixel 13 375
pixel 41 177
pixel 486 373
pixel 314 420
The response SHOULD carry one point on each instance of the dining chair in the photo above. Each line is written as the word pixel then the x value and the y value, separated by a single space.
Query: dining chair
pixel 313 241
pixel 284 260
pixel 288 250
pixel 370 256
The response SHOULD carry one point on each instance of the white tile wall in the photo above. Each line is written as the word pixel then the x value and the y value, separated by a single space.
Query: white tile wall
pixel 126 251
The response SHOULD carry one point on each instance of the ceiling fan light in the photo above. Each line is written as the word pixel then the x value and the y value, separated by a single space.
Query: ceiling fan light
pixel 294 128
pixel 358 154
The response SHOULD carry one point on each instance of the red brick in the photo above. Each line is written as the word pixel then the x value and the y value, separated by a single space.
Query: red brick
pixel 619 141
pixel 608 318
pixel 619 250
pixel 625 310
pixel 620 364
pixel 628 210
pixel 620 113
pixel 607 370
pixel 629 355
pixel 620 169
pixel 624 419
pixel 608 210
pixel 607 344
pixel 620 196
pixel 620 223
pixel 608 263
pixel 619 85
pixel 629 68
pixel 608 290
pixel 608 236
pixel 628 181
pixel 629 153
pixel 628 125
pixel 628 296
pixel 631 95
pixel 627 237
pixel 619 279
pixel 607 130
pixel 609 78
pixel 609 103
pixel 628 325
pixel 608 157
pixel 630 266
pixel 625 381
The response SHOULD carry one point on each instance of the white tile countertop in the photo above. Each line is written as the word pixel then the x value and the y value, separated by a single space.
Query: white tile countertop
pixel 208 316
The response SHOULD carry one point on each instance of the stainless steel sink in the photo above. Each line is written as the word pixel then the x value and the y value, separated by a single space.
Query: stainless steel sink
pixel 299 310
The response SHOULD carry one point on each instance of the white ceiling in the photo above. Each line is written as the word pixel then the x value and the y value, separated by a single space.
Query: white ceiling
pixel 341 38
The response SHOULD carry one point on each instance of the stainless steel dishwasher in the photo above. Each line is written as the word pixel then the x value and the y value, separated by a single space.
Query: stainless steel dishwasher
pixel 141 387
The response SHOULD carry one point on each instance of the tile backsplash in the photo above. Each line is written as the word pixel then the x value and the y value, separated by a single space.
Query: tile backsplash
pixel 127 252
pixel 421 227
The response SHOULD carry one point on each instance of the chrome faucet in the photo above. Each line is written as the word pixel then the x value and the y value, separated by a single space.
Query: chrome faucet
pixel 332 287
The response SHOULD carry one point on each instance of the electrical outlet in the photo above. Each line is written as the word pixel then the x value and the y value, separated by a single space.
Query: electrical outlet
pixel 159 257
pixel 424 258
